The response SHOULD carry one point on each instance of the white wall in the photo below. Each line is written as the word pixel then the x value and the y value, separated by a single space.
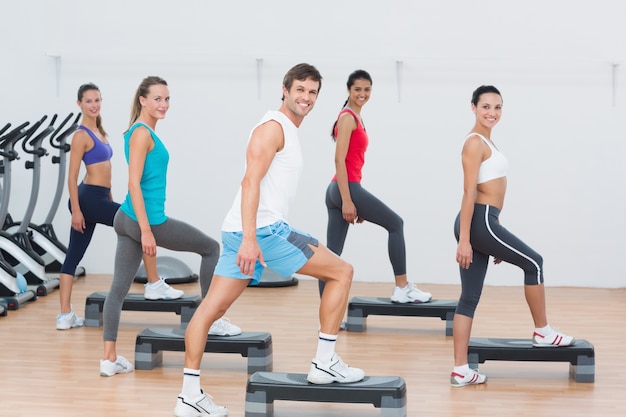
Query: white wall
pixel 563 127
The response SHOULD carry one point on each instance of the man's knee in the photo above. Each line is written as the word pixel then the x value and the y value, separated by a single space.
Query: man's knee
pixel 209 311
pixel 346 272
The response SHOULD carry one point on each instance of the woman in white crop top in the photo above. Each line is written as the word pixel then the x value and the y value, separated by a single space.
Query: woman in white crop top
pixel 480 235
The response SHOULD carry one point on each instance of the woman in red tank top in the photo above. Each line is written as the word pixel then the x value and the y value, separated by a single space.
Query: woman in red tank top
pixel 349 203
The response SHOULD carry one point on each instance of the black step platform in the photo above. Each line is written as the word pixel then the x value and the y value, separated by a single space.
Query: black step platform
pixel 385 392
pixel 184 307
pixel 580 355
pixel 360 307
pixel 256 346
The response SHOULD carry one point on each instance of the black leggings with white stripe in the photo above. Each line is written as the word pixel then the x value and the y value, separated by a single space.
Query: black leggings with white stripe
pixel 488 237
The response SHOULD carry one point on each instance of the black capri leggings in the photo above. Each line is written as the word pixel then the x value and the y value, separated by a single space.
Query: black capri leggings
pixel 488 237
pixel 96 208
pixel 370 209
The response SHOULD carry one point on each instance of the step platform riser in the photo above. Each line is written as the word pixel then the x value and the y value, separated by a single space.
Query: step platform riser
pixel 359 308
pixel 580 355
pixel 386 393
pixel 152 342
pixel 184 307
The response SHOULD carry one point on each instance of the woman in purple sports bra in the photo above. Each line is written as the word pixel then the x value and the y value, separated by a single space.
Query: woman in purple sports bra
pixel 91 202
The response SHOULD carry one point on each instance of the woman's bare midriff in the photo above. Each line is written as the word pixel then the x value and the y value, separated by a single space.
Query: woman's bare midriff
pixel 99 174
pixel 492 192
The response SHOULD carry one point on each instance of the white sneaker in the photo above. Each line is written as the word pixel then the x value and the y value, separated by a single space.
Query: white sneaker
pixel 120 366
pixel 223 327
pixel 69 320
pixel 471 378
pixel 161 290
pixel 554 339
pixel 334 371
pixel 409 294
pixel 201 406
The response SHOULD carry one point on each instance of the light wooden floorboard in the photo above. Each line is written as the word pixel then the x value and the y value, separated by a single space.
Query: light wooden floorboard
pixel 45 372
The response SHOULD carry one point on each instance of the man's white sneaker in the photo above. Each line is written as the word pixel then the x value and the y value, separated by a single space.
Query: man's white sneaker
pixel 409 294
pixel 553 339
pixel 223 327
pixel 120 366
pixel 69 320
pixel 161 290
pixel 334 371
pixel 201 406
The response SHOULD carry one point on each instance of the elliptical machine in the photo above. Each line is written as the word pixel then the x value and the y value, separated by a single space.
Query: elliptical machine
pixel 10 291
pixel 16 246
pixel 42 237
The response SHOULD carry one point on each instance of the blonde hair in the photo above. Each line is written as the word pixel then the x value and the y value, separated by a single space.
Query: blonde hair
pixel 142 91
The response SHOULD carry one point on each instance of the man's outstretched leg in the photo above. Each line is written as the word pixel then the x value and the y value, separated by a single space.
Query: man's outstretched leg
pixel 192 401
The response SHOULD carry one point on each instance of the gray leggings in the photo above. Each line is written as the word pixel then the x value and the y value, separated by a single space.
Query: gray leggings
pixel 172 234
pixel 370 209
pixel 488 237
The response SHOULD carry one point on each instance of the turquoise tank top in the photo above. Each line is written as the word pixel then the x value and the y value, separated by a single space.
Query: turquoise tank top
pixel 153 179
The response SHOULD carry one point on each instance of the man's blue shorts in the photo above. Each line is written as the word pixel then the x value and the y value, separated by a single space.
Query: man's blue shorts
pixel 285 250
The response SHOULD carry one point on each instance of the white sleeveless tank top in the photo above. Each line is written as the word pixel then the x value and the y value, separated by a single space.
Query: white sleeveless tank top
pixel 279 185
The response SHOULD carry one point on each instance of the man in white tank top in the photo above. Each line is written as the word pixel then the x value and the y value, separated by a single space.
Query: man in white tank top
pixel 256 234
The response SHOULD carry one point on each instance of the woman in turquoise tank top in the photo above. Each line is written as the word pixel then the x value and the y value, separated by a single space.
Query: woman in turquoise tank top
pixel 141 223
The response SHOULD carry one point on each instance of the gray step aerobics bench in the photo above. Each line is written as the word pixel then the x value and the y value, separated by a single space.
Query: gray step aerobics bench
pixel 385 392
pixel 360 307
pixel 580 355
pixel 151 342
pixel 184 307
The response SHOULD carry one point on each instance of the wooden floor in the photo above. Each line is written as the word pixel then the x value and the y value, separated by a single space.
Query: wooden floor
pixel 45 372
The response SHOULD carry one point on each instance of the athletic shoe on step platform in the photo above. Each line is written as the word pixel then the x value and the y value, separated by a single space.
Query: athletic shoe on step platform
pixel 334 371
pixel 470 378
pixel 161 290
pixel 201 406
pixel 120 366
pixel 553 339
pixel 409 294
pixel 69 320
pixel 223 327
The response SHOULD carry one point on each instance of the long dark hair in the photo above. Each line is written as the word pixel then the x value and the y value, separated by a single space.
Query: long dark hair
pixel 356 75
pixel 81 92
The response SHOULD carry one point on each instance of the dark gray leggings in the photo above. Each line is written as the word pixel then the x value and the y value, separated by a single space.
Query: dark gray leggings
pixel 488 237
pixel 174 235
pixel 370 209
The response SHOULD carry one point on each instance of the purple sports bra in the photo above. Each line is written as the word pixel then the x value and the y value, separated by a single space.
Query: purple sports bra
pixel 99 153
